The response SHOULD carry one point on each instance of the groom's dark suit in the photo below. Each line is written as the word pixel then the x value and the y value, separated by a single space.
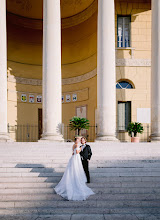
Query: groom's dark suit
pixel 86 154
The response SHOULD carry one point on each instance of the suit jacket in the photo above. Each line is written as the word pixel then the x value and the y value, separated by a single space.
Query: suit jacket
pixel 86 153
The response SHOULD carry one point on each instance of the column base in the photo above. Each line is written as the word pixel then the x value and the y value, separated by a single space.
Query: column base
pixel 4 137
pixel 107 138
pixel 155 138
pixel 51 138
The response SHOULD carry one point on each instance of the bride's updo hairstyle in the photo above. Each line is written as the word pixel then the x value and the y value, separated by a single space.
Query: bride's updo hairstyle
pixel 76 138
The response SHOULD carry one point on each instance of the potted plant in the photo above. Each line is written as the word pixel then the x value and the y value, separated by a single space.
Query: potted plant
pixel 133 129
pixel 78 124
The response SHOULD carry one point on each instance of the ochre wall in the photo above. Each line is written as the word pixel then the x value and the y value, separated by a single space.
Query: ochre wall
pixel 79 57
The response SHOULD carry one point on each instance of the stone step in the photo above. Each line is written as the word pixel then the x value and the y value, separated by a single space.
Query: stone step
pixel 56 179
pixel 84 217
pixel 101 154
pixel 93 170
pixel 85 204
pixel 98 185
pixel 105 163
pixel 125 178
pixel 56 157
pixel 109 153
pixel 65 153
pixel 93 174
pixel 98 196
pixel 91 165
pixel 109 190
pixel 50 211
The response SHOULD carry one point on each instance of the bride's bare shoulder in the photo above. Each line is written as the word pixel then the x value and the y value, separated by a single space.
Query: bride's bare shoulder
pixel 74 146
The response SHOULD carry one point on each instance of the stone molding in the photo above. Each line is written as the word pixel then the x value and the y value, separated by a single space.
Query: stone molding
pixel 133 62
pixel 84 77
pixel 67 81
pixel 26 81
pixel 78 79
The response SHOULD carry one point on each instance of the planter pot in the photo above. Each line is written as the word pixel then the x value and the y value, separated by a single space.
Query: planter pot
pixel 135 139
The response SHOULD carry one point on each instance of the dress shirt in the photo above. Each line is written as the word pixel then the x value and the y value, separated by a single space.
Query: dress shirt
pixel 83 146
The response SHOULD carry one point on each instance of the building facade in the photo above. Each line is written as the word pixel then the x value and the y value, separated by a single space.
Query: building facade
pixel 90 58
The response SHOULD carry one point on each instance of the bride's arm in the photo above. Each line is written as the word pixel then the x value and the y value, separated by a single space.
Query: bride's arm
pixel 73 149
pixel 78 151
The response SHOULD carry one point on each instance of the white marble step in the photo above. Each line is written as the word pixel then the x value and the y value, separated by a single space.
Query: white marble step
pixel 93 174
pixel 109 190
pixel 86 204
pixel 96 156
pixel 81 210
pixel 93 170
pixel 94 180
pixel 83 217
pixel 126 182
pixel 105 164
pixel 105 150
pixel 117 184
pixel 98 196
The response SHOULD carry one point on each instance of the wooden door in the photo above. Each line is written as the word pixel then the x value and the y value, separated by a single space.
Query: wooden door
pixel 39 123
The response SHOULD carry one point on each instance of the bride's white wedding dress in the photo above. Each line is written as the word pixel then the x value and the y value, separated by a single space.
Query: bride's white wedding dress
pixel 73 183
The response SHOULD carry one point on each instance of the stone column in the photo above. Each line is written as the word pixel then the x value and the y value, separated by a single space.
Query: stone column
pixel 106 75
pixel 52 107
pixel 155 72
pixel 3 74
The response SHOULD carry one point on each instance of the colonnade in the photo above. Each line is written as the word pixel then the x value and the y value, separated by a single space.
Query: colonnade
pixel 106 73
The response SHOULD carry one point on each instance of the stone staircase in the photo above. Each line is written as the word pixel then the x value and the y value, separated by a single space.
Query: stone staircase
pixel 124 176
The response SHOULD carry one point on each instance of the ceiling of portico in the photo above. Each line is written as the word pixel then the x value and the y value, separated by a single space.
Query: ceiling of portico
pixel 34 8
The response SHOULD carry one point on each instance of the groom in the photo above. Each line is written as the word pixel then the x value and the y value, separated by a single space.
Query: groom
pixel 85 154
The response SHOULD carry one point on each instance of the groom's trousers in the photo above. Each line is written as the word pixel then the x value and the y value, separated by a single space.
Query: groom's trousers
pixel 85 167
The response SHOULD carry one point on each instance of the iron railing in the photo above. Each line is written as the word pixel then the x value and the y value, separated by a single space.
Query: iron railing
pixel 24 133
pixel 30 133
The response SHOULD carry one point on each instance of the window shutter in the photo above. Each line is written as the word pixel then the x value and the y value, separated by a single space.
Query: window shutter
pixel 120 32
pixel 127 114
pixel 121 116
pixel 126 32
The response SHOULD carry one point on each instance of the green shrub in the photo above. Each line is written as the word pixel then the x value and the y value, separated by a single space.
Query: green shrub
pixel 134 127
pixel 78 124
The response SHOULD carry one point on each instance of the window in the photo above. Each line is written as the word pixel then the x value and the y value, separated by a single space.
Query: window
pixel 124 85
pixel 123 31
pixel 124 115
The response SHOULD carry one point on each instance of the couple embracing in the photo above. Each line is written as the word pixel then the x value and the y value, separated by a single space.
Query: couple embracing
pixel 73 183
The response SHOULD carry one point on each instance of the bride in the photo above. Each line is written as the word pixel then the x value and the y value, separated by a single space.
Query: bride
pixel 73 183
